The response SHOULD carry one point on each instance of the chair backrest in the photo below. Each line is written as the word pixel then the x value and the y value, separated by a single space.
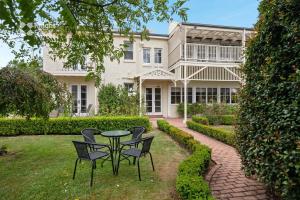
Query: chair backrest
pixel 137 132
pixel 147 141
pixel 89 134
pixel 82 149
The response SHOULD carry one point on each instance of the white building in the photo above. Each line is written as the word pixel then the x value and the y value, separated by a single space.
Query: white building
pixel 199 60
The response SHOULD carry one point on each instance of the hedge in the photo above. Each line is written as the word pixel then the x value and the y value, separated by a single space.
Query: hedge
pixel 221 135
pixel 67 125
pixel 200 120
pixel 190 183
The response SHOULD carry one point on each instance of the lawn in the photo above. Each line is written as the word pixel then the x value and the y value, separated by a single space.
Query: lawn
pixel 41 167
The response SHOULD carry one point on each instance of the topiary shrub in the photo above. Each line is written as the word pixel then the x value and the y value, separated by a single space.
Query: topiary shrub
pixel 221 119
pixel 268 120
pixel 200 120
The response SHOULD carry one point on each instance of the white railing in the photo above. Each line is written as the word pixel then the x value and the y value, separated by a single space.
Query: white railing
pixel 215 53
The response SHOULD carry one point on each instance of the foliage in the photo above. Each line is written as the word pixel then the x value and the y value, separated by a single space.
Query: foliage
pixel 221 135
pixel 207 109
pixel 68 125
pixel 3 150
pixel 115 100
pixel 73 29
pixel 25 94
pixel 38 162
pixel 189 182
pixel 200 120
pixel 221 119
pixel 268 121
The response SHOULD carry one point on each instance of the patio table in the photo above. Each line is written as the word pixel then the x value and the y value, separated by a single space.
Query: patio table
pixel 114 139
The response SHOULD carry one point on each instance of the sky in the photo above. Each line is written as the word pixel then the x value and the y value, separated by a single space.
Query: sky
pixel 218 12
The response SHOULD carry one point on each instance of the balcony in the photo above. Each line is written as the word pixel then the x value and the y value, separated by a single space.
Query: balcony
pixel 206 53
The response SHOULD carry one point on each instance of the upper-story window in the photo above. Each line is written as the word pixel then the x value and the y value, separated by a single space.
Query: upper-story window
pixel 81 66
pixel 128 52
pixel 158 55
pixel 146 55
pixel 129 87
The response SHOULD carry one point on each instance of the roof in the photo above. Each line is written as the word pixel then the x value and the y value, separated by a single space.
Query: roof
pixel 217 26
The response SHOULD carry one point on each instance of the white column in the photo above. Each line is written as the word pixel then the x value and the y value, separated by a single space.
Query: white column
pixel 185 79
pixel 140 91
pixel 244 45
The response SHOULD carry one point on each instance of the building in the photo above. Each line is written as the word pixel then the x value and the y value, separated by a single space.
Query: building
pixel 199 60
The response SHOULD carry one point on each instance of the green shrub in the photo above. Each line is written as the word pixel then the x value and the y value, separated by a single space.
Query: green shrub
pixel 67 125
pixel 220 119
pixel 200 120
pixel 221 135
pixel 189 181
pixel 268 120
pixel 192 109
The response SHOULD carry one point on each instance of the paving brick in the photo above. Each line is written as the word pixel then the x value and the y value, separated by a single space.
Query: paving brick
pixel 229 181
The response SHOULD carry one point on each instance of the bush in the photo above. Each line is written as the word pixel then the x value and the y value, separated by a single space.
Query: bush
pixel 3 150
pixel 203 109
pixel 220 119
pixel 189 182
pixel 200 120
pixel 221 135
pixel 68 126
pixel 268 121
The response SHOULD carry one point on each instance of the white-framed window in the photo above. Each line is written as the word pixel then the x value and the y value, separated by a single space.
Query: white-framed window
pixel 158 55
pixel 129 87
pixel 146 55
pixel 201 95
pixel 175 95
pixel 234 95
pixel 128 51
pixel 212 95
pixel 81 66
pixel 189 95
pixel 225 95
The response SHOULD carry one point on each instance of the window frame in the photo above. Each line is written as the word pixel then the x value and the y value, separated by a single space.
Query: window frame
pixel 176 96
pixel 156 55
pixel 149 54
pixel 126 50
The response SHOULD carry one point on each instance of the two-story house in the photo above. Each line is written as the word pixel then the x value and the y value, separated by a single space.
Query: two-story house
pixel 194 63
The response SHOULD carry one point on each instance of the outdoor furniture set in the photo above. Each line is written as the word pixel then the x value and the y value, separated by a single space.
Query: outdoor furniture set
pixel 115 151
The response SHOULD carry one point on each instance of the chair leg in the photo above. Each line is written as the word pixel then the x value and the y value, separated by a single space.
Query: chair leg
pixel 92 173
pixel 139 171
pixel 151 161
pixel 118 164
pixel 134 159
pixel 75 168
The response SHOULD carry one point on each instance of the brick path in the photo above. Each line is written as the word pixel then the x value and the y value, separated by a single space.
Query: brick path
pixel 228 181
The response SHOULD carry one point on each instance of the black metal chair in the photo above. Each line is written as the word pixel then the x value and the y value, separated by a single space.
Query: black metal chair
pixel 138 153
pixel 89 136
pixel 84 154
pixel 136 133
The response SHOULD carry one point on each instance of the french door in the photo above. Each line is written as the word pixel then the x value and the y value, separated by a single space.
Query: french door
pixel 153 100
pixel 79 99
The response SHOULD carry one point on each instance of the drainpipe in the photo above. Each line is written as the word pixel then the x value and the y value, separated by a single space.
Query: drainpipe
pixel 140 88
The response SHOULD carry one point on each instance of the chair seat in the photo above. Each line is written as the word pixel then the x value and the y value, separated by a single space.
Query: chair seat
pixel 132 152
pixel 98 154
pixel 129 142
pixel 99 146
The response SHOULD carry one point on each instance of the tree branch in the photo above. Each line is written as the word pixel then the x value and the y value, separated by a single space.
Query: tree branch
pixel 96 4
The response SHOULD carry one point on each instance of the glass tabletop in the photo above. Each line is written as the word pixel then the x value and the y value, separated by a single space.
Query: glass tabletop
pixel 116 133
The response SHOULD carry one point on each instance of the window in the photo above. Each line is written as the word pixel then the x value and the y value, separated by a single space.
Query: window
pixel 200 95
pixel 175 95
pixel 189 95
pixel 129 87
pixel 157 55
pixel 81 66
pixel 234 95
pixel 225 95
pixel 146 55
pixel 128 52
pixel 212 95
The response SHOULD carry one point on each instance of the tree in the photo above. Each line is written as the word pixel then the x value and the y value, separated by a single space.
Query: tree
pixel 75 28
pixel 30 94
pixel 268 132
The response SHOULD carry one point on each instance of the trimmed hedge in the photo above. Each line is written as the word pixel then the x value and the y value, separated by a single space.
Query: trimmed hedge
pixel 200 120
pixel 67 125
pixel 190 183
pixel 221 135
pixel 221 119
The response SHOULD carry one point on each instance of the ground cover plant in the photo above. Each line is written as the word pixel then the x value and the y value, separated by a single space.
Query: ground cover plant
pixel 41 167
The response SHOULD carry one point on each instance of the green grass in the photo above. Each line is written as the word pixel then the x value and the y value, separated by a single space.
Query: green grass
pixel 225 128
pixel 41 167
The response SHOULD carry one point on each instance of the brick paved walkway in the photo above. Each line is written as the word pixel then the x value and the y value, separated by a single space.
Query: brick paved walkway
pixel 228 182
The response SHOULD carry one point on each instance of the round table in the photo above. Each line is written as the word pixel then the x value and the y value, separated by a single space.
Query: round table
pixel 114 139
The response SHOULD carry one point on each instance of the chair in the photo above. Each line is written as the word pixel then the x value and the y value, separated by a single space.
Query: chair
pixel 89 136
pixel 138 153
pixel 136 132
pixel 84 154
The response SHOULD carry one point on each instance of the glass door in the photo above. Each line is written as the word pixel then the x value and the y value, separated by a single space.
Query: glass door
pixel 153 101
pixel 79 99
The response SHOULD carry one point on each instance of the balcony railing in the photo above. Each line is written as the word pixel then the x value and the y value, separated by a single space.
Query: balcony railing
pixel 213 53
